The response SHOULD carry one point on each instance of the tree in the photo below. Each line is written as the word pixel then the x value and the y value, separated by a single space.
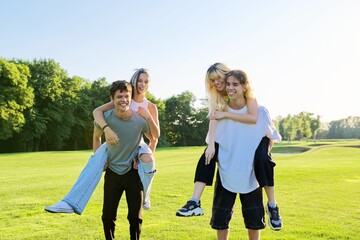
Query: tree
pixel 51 118
pixel 180 115
pixel 289 127
pixel 304 129
pixel 15 97
pixel 314 126
pixel 345 128
pixel 90 96
pixel 201 123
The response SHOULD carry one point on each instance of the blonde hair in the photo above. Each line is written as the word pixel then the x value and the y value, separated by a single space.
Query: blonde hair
pixel 244 81
pixel 216 99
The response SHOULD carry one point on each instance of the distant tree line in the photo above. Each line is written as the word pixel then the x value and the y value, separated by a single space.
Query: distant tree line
pixel 297 127
pixel 42 109
pixel 305 126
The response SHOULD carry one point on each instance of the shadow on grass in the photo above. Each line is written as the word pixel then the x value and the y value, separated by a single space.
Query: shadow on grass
pixel 290 149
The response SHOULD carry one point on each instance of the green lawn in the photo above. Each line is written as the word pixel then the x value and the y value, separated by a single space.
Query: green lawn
pixel 318 193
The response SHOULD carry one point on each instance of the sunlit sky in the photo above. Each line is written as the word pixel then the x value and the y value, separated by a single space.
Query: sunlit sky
pixel 301 55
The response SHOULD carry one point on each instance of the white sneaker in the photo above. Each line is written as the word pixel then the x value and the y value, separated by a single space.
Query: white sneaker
pixel 146 205
pixel 60 207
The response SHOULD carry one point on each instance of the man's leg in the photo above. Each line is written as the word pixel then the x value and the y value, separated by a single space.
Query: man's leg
pixel 253 212
pixel 253 234
pixel 223 234
pixel 222 209
pixel 112 194
pixel 134 201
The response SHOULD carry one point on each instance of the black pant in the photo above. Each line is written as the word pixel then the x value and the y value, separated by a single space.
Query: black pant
pixel 114 187
pixel 205 173
pixel 263 166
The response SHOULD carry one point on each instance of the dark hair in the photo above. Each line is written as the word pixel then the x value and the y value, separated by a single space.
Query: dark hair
pixel 243 80
pixel 239 75
pixel 121 85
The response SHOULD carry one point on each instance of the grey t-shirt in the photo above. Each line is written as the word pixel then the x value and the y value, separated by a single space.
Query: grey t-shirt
pixel 130 132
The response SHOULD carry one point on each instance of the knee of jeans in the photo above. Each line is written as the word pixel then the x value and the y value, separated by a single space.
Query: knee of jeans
pixel 147 158
pixel 108 219
pixel 134 220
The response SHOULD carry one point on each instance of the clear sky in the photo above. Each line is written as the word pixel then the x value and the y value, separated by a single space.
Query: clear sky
pixel 301 55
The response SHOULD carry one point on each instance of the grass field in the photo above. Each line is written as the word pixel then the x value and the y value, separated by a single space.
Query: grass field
pixel 317 189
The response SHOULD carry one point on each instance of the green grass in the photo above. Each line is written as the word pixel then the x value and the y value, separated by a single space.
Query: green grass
pixel 318 193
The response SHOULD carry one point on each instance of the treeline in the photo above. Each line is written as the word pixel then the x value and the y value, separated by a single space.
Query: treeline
pixel 304 126
pixel 42 109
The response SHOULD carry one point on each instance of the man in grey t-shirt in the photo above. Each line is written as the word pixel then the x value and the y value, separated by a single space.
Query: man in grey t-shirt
pixel 120 175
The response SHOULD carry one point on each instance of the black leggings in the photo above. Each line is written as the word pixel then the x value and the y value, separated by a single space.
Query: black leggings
pixel 263 165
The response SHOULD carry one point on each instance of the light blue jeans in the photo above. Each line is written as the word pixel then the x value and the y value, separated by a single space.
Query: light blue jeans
pixel 80 193
pixel 89 178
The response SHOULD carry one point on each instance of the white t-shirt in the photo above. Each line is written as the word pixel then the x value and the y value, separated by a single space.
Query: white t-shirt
pixel 237 145
pixel 135 105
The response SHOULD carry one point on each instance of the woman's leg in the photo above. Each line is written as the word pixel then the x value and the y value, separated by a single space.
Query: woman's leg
pixel 85 185
pixel 198 189
pixel 204 176
pixel 146 171
pixel 264 171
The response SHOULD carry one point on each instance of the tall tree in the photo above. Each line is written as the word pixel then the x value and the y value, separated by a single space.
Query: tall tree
pixel 15 97
pixel 51 118
pixel 180 113
pixel 304 130
pixel 314 126
pixel 90 96
pixel 289 127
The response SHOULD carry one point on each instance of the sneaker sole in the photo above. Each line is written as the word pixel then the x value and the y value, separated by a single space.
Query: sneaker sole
pixel 196 212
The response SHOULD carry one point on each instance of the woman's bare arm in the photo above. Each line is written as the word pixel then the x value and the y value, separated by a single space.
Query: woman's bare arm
pixel 248 118
pixel 98 113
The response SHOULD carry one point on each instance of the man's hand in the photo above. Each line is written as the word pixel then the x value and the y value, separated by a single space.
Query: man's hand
pixel 135 163
pixel 105 166
pixel 111 136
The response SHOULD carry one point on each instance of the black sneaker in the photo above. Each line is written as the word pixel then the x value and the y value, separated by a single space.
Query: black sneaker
pixel 275 220
pixel 191 208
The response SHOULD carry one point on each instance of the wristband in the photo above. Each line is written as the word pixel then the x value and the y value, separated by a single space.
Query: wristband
pixel 105 127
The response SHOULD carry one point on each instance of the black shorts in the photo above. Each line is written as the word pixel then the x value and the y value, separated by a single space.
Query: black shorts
pixel 251 205
pixel 205 173
pixel 264 164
